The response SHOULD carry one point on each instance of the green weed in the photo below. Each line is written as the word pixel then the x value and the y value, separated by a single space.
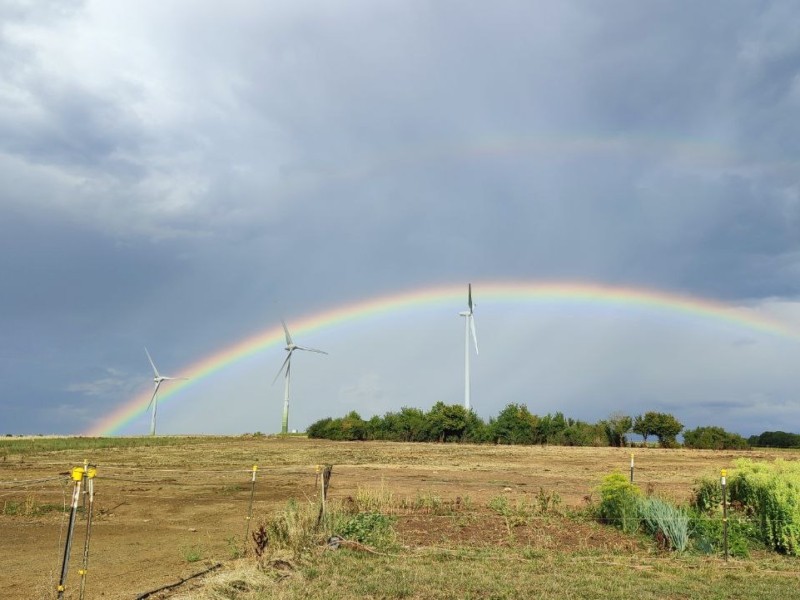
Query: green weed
pixel 191 554
pixel 619 502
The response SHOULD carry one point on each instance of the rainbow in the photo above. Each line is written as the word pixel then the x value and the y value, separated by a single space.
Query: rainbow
pixel 455 295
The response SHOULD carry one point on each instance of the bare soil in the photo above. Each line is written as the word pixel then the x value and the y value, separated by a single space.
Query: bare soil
pixel 164 513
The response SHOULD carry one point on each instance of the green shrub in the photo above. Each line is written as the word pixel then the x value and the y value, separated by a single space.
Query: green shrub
pixel 713 438
pixel 707 496
pixel 668 523
pixel 371 528
pixel 707 533
pixel 619 502
pixel 772 492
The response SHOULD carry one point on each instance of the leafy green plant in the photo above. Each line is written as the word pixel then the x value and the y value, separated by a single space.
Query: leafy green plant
pixel 707 533
pixel 619 502
pixel 668 523
pixel 772 492
pixel 707 495
pixel 374 529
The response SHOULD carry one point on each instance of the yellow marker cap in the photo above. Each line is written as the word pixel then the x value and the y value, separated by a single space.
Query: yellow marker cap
pixel 723 472
pixel 77 473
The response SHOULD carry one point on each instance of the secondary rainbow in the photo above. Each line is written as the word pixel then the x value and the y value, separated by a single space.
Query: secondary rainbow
pixel 484 292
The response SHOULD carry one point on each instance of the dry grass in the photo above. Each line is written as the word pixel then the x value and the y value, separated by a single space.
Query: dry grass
pixel 153 500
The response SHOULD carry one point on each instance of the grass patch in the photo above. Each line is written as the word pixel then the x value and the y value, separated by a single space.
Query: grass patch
pixel 503 574
pixel 36 445
pixel 31 508
pixel 191 554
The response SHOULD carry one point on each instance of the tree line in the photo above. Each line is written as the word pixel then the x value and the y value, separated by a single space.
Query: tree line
pixel 517 425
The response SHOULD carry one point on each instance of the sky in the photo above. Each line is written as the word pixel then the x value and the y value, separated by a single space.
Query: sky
pixel 182 175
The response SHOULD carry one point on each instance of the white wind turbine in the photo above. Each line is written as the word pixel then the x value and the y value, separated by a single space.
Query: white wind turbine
pixel 158 379
pixel 469 325
pixel 286 369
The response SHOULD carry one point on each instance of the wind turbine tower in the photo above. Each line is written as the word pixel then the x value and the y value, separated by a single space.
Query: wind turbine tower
pixel 286 368
pixel 469 326
pixel 158 379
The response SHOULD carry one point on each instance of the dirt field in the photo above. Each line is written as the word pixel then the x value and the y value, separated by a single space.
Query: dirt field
pixel 165 512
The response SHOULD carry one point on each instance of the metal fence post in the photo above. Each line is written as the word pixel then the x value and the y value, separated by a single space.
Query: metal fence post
pixel 724 513
pixel 631 467
pixel 77 476
pixel 89 474
pixel 250 508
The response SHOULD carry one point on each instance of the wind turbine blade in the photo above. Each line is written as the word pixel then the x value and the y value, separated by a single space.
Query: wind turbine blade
pixel 474 335
pixel 285 364
pixel 469 297
pixel 153 397
pixel 152 364
pixel 311 349
pixel 286 331
pixel 175 378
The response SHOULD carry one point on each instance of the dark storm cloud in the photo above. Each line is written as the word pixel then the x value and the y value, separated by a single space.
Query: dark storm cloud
pixel 183 175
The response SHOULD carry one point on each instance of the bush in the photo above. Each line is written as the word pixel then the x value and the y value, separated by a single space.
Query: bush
pixel 371 528
pixel 707 533
pixel 772 492
pixel 775 439
pixel 707 496
pixel 619 502
pixel 713 438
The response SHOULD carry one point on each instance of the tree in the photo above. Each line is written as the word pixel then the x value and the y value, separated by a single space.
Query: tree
pixel 776 439
pixel 713 438
pixel 514 425
pixel 616 426
pixel 409 425
pixel 667 429
pixel 550 428
pixel 446 422
pixel 644 425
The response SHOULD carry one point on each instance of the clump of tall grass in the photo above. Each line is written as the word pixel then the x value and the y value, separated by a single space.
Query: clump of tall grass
pixel 293 529
pixel 669 524
pixel 375 500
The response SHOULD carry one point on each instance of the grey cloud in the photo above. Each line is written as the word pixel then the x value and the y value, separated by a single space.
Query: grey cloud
pixel 206 171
